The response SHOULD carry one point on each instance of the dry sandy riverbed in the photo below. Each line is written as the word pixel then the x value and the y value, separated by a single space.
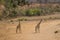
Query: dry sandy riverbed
pixel 47 29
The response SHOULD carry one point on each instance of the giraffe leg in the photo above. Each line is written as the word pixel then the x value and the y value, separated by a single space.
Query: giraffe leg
pixel 35 29
pixel 19 30
pixel 16 29
pixel 39 30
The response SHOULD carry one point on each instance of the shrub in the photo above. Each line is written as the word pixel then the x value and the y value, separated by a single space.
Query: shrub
pixel 13 14
pixel 57 8
pixel 20 19
pixel 25 19
pixel 33 12
pixel 29 13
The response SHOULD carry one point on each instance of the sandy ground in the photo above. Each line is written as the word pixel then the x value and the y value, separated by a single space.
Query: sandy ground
pixel 47 29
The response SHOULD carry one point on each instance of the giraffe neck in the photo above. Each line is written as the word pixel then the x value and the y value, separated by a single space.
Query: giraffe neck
pixel 39 22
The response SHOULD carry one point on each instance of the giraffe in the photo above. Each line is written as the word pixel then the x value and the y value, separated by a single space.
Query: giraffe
pixel 18 28
pixel 37 28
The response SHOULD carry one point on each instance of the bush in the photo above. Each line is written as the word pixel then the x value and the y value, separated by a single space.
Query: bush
pixel 20 19
pixel 38 12
pixel 25 19
pixel 57 8
pixel 48 10
pixel 33 12
pixel 29 13
pixel 13 14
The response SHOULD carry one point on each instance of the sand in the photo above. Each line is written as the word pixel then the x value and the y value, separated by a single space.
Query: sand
pixel 47 29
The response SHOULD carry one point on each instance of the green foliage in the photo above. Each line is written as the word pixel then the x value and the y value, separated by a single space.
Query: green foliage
pixel 22 19
pixel 33 12
pixel 13 14
pixel 29 12
pixel 38 12
pixel 12 11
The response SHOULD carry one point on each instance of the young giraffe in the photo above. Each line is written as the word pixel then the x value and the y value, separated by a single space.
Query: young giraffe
pixel 18 27
pixel 37 28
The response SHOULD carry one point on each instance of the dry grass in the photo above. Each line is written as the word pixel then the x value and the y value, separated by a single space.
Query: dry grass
pixel 36 5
